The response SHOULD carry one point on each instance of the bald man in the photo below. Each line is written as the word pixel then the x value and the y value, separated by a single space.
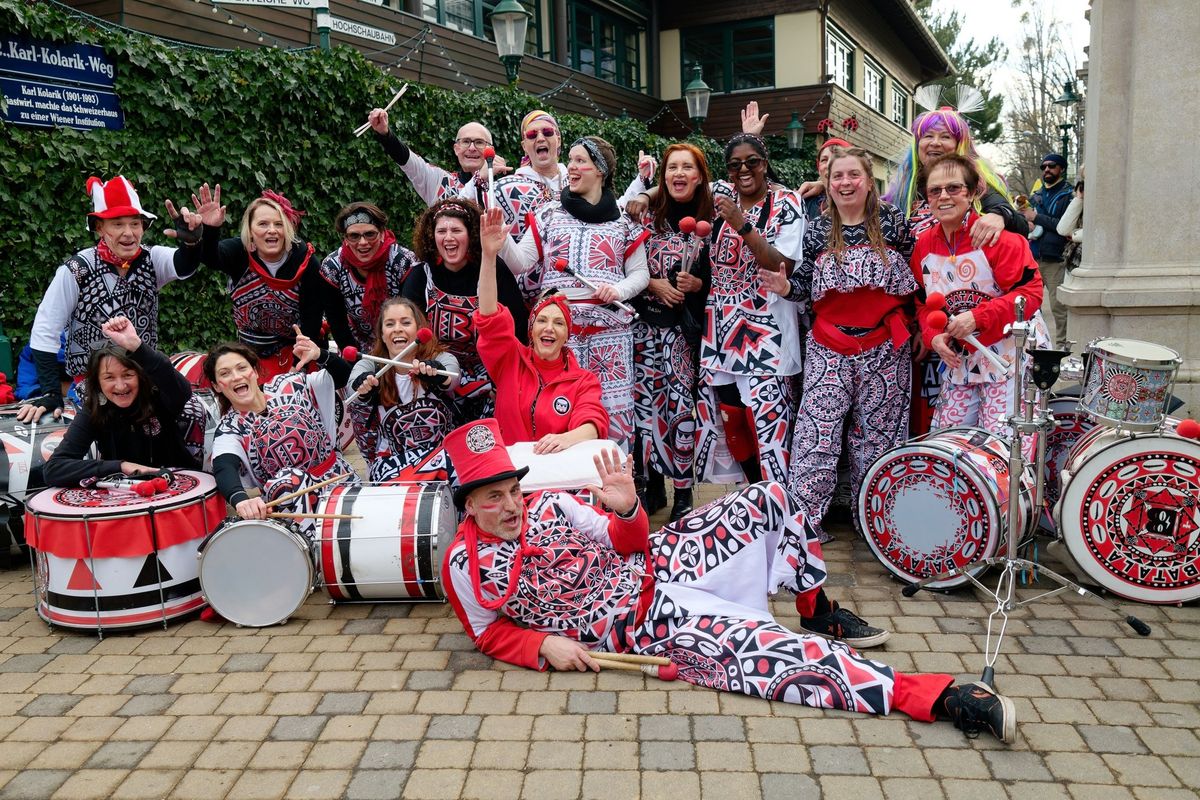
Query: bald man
pixel 431 181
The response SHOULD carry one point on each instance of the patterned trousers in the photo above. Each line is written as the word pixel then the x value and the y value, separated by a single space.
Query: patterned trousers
pixel 710 611
pixel 771 398
pixel 873 389
pixel 608 352
pixel 980 405
pixel 664 401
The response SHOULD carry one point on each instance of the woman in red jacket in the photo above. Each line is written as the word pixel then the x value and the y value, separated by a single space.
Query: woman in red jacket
pixel 980 286
pixel 542 394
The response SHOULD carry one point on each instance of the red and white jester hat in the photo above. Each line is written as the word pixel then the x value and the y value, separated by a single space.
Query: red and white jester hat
pixel 116 198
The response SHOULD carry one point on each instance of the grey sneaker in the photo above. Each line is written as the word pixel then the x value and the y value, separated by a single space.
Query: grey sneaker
pixel 976 707
pixel 845 626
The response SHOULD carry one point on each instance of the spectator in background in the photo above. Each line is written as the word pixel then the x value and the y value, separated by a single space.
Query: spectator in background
pixel 1071 226
pixel 1047 206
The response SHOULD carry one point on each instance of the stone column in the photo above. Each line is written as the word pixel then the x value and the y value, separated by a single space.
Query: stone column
pixel 1140 276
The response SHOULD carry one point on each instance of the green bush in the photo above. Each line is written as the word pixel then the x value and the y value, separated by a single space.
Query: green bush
pixel 249 120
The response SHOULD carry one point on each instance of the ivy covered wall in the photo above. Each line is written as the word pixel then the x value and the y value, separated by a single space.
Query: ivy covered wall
pixel 249 120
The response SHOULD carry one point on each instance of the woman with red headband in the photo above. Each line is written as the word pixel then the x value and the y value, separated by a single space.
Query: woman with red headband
pixel 367 269
pixel 667 335
pixel 445 286
pixel 582 246
pixel 401 415
pixel 274 277
pixel 542 394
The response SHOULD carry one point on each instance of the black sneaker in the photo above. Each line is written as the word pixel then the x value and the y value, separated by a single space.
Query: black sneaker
pixel 845 626
pixel 976 707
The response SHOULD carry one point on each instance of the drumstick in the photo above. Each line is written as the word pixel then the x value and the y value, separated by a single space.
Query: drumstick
pixel 299 515
pixel 361 129
pixel 631 658
pixel 665 672
pixel 406 365
pixel 562 265
pixel 302 492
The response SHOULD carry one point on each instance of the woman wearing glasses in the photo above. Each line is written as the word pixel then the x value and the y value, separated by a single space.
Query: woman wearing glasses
pixel 367 269
pixel 980 292
pixel 749 353
pixel 855 272
pixel 579 241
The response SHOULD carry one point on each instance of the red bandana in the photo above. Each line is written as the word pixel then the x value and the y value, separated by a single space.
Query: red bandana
pixel 106 255
pixel 377 290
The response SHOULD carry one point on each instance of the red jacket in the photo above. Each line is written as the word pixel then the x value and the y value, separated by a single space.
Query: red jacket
pixel 525 408
pixel 1013 266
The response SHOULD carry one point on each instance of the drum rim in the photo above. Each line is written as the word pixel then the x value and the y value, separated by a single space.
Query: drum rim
pixel 1095 349
pixel 121 512
pixel 1073 536
pixel 1000 520
pixel 290 534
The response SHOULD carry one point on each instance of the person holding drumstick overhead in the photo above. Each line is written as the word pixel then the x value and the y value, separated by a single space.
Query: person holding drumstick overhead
pixel 279 437
pixel 542 394
pixel 563 589
pixel 133 401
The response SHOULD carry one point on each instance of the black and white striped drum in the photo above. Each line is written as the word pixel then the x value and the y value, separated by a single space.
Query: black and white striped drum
pixel 1129 513
pixel 937 503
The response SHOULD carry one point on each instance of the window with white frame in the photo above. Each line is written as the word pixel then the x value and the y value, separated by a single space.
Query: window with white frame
pixel 899 106
pixel 873 85
pixel 839 57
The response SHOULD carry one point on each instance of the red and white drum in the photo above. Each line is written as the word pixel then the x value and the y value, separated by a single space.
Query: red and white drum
pixel 25 447
pixel 1130 513
pixel 938 503
pixel 114 559
pixel 1070 424
pixel 394 551
pixel 256 572
pixel 191 365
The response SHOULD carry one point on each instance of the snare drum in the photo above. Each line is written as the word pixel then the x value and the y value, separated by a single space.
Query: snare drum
pixel 1129 383
pixel 938 503
pixel 114 559
pixel 394 552
pixel 257 572
pixel 1130 513
pixel 1070 425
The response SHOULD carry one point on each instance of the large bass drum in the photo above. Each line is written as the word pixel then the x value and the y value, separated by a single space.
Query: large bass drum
pixel 937 503
pixel 1071 423
pixel 1129 513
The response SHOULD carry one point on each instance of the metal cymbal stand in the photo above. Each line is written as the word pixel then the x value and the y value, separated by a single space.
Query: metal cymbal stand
pixel 1023 422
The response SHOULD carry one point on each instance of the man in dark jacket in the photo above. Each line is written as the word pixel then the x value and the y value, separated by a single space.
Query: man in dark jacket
pixel 1046 208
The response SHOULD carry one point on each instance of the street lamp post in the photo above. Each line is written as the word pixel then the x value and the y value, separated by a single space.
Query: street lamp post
pixel 795 133
pixel 1065 130
pixel 510 24
pixel 696 94
pixel 1068 99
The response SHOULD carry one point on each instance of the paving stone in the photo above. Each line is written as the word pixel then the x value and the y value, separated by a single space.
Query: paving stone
pixel 667 755
pixel 957 789
pixel 838 760
pixel 669 785
pixel 145 705
pixel 434 784
pixel 1012 765
pixel 718 728
pixel 857 788
pixel 1138 770
pixel 247 662
pixel 776 786
pixel 343 702
pixel 592 702
pixel 377 784
pixel 34 783
pixel 262 784
pixel 388 755
pixel 50 705
pixel 119 755
pixel 458 726
pixel 147 784
pixel 551 784
pixel 896 762
pixel 307 728
pixel 26 662
pixel 422 680
pixel 318 784
pixel 659 727
pixel 1112 739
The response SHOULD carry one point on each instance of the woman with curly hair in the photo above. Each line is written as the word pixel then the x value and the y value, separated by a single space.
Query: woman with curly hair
pixel 445 285
pixel 402 415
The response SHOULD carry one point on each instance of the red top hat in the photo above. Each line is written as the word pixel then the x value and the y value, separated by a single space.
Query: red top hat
pixel 477 452
pixel 116 198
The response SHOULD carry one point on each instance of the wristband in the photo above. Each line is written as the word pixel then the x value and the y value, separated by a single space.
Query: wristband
pixel 747 226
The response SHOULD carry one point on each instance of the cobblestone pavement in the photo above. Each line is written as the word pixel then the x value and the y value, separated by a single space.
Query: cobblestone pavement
pixel 390 700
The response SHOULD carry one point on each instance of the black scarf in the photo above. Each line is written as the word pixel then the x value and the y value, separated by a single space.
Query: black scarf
pixel 603 211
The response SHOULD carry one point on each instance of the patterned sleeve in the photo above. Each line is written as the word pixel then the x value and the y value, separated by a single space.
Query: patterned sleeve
pixel 430 181
pixel 812 243
pixel 790 239
pixel 626 536
pixel 896 230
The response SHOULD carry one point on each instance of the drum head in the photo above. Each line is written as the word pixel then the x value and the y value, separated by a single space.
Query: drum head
pixel 931 506
pixel 1130 515
pixel 256 573
pixel 1131 350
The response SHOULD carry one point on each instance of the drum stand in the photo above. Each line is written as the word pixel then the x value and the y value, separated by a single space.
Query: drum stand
pixel 1023 422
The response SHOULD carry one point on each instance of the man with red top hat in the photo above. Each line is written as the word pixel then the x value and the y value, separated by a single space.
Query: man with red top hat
pixel 545 582
pixel 115 277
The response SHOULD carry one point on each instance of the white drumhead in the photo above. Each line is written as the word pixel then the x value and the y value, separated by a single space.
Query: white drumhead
pixel 1135 349
pixel 570 470
pixel 256 572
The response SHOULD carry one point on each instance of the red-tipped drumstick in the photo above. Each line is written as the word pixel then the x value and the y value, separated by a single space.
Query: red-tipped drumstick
pixel 350 353
pixel 489 155
pixel 938 321
pixel 562 265
pixel 423 336
pixel 687 225
pixel 1188 429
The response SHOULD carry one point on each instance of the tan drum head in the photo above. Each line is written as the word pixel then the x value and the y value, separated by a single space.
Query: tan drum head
pixel 1136 352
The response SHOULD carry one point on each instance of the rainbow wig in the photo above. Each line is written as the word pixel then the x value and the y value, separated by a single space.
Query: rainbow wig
pixel 903 191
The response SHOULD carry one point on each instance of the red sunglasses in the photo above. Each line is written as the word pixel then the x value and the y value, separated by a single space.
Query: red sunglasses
pixel 532 133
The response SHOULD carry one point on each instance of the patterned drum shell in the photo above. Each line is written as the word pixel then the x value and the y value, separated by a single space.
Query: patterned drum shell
pixel 394 551
pixel 1130 513
pixel 256 573
pixel 190 365
pixel 25 448
pixel 117 560
pixel 1070 425
pixel 938 503
pixel 1129 383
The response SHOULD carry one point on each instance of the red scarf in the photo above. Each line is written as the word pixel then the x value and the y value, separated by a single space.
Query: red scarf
pixel 377 289
pixel 471 531
pixel 105 254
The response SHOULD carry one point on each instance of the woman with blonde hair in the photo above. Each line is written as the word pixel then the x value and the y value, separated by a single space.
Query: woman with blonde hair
pixel 274 277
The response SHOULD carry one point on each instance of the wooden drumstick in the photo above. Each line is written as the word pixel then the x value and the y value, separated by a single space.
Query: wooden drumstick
pixel 300 493
pixel 361 129
pixel 300 515
pixel 665 672
pixel 631 658
pixel 405 365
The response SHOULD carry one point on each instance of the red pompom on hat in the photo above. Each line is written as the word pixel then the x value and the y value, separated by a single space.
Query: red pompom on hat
pixel 116 198
pixel 477 452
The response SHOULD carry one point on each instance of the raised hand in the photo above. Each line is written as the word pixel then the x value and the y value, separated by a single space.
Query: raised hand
pixel 492 231
pixel 368 385
pixel 186 225
pixel 751 121
pixel 616 489
pixel 208 206
pixel 775 280
pixel 120 331
pixel 730 211
pixel 646 166
pixel 378 118
pixel 304 349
